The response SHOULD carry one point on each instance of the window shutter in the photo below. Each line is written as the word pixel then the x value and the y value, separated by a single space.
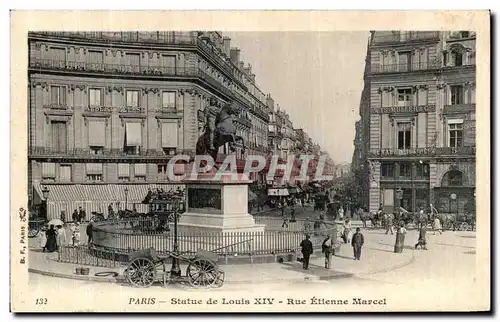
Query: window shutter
pixel 48 170
pixel 140 170
pixel 94 168
pixel 473 95
pixel 133 134
pixel 123 170
pixel 97 133
pixel 65 173
pixel 54 94
pixel 169 134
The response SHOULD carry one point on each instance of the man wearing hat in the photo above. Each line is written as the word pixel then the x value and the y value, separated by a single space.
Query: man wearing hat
pixel 327 248
pixel 307 250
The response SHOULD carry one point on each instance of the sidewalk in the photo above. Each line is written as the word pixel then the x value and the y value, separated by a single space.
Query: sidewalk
pixel 377 257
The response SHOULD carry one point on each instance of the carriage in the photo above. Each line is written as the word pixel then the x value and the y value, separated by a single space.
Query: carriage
pixel 35 226
pixel 147 267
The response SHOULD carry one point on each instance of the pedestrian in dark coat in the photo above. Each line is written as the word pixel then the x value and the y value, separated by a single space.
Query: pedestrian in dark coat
pixel 82 215
pixel 357 243
pixel 74 216
pixel 51 244
pixel 307 250
pixel 90 233
pixel 327 248
pixel 422 240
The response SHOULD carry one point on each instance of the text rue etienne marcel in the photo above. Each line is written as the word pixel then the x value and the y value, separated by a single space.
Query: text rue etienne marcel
pixel 259 301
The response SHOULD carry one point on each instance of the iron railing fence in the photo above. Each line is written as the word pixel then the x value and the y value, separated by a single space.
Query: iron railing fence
pixel 135 234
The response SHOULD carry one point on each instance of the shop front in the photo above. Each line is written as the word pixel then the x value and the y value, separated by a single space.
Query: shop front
pixel 414 196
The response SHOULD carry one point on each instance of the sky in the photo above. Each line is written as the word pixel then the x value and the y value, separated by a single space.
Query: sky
pixel 317 77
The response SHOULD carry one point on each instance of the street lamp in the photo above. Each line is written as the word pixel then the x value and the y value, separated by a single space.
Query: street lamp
pixel 175 205
pixel 399 196
pixel 45 195
pixel 126 198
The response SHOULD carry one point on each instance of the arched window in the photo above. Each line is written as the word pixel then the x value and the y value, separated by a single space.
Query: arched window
pixel 452 178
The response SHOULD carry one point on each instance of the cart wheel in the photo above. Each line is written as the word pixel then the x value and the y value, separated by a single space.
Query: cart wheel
pixel 202 273
pixel 464 226
pixel 33 232
pixel 141 272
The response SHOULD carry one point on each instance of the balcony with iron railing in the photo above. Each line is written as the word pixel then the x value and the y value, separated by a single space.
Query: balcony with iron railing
pixel 78 153
pixel 113 69
pixel 405 67
pixel 423 152
pixel 405 36
pixel 156 38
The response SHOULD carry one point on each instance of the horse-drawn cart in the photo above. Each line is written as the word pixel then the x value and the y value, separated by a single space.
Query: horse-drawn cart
pixel 146 267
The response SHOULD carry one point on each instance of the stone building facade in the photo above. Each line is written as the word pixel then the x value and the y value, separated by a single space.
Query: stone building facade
pixel 422 120
pixel 107 110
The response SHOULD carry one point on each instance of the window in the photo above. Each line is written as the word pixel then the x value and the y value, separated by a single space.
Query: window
pixel 96 150
pixel 58 95
pixel 59 136
pixel 96 59
pixel 123 172
pixel 405 97
pixel 445 58
pixel 454 178
pixel 387 170
pixel 94 171
pixel 422 171
pixel 140 172
pixel 457 58
pixel 132 98
pixel 457 94
pixel 456 134
pixel 404 61
pixel 464 34
pixel 168 99
pixel 132 150
pixel 94 177
pixel 405 170
pixel 65 173
pixel 95 97
pixel 48 171
pixel 404 135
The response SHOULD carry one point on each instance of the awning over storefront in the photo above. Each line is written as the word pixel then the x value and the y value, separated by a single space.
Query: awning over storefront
pixel 96 197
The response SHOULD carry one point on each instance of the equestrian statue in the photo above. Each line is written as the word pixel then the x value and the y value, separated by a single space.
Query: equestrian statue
pixel 218 131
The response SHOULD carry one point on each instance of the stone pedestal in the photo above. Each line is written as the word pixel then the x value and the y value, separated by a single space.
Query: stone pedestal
pixel 218 204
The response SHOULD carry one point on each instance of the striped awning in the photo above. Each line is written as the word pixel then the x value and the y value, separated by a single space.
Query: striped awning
pixel 61 192
pixel 100 192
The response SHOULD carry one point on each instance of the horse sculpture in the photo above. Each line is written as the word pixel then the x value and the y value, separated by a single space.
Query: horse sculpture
pixel 219 132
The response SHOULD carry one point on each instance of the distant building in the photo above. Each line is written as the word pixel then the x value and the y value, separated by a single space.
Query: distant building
pixel 422 120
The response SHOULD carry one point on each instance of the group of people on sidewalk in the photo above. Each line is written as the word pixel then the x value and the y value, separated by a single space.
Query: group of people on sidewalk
pixel 357 241
pixel 55 237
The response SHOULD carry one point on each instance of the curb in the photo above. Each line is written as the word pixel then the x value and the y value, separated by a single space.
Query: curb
pixel 277 280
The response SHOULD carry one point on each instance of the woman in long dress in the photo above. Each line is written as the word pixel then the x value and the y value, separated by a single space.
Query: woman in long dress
pixel 51 245
pixel 43 238
pixel 61 236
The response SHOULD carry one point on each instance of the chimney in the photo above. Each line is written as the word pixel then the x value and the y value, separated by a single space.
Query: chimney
pixel 226 42
pixel 235 55
pixel 247 71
